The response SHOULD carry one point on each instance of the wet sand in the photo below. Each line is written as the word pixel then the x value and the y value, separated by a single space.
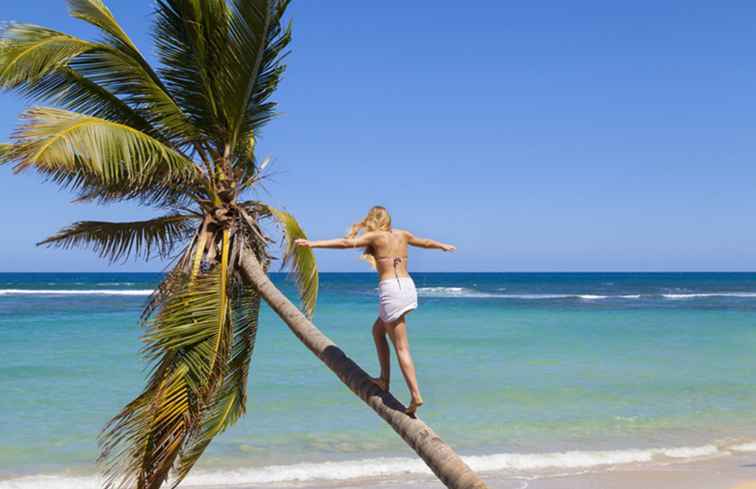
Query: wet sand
pixel 729 472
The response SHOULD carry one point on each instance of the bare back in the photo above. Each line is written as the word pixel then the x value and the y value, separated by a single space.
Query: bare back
pixel 389 248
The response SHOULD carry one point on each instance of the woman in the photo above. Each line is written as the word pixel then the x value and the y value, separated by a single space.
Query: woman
pixel 386 250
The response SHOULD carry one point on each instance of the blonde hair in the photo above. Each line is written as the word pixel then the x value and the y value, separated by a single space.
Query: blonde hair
pixel 377 219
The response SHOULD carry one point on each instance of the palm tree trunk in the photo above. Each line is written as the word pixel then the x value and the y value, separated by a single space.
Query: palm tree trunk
pixel 441 459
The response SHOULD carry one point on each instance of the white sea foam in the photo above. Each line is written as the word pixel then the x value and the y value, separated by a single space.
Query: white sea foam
pixel 537 296
pixel 513 463
pixel 463 292
pixel 710 294
pixel 137 292
pixel 744 447
pixel 441 292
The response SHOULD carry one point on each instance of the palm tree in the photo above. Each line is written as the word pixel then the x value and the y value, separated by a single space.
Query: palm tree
pixel 181 138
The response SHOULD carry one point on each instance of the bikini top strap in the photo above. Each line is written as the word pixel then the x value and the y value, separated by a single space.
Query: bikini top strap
pixel 396 260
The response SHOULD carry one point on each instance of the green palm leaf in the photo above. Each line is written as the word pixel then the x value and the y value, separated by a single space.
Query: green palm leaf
pixel 6 153
pixel 171 283
pixel 135 81
pixel 117 240
pixel 191 38
pixel 117 71
pixel 258 30
pixel 140 444
pixel 96 13
pixel 189 344
pixel 29 52
pixel 188 318
pixel 269 69
pixel 301 260
pixel 37 63
pixel 68 89
pixel 92 154
pixel 221 61
pixel 229 403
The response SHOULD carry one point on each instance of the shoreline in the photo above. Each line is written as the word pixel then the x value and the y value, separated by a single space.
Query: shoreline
pixel 707 467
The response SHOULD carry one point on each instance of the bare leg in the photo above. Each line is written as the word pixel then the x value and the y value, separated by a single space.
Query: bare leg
pixel 398 333
pixel 382 348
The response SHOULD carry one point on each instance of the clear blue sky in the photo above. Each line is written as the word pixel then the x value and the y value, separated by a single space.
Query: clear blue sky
pixel 561 136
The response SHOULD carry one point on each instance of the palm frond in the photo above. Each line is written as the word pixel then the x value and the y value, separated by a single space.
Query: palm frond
pixel 171 284
pixel 251 24
pixel 142 444
pixel 6 153
pixel 173 280
pixel 68 89
pixel 258 108
pixel 221 61
pixel 90 154
pixel 300 260
pixel 229 403
pixel 37 63
pixel 191 38
pixel 256 80
pixel 132 81
pixel 189 317
pixel 29 52
pixel 122 240
pixel 98 14
pixel 123 70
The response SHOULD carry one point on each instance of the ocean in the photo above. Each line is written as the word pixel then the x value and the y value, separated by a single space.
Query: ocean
pixel 525 374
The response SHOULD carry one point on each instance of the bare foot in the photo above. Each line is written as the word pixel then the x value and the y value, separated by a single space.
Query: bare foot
pixel 382 383
pixel 416 403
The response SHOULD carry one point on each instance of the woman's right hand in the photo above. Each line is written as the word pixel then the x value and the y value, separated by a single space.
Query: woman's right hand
pixel 303 243
pixel 448 247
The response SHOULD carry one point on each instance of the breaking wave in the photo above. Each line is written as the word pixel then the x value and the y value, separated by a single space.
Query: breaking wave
pixel 743 295
pixel 136 292
pixel 512 463
pixel 463 292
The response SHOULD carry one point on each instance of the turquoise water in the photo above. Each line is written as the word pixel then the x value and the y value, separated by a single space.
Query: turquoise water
pixel 508 364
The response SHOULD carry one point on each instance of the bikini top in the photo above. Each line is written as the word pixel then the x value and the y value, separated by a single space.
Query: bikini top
pixel 396 261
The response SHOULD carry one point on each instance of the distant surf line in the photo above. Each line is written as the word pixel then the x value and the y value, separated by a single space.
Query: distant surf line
pixel 463 292
pixel 126 292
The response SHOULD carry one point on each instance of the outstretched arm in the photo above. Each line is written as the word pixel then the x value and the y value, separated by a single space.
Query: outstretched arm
pixel 429 243
pixel 341 243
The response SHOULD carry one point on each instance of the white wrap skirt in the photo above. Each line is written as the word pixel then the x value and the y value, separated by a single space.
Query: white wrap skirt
pixel 396 296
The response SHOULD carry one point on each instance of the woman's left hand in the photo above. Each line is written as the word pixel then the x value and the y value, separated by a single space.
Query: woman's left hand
pixel 303 243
